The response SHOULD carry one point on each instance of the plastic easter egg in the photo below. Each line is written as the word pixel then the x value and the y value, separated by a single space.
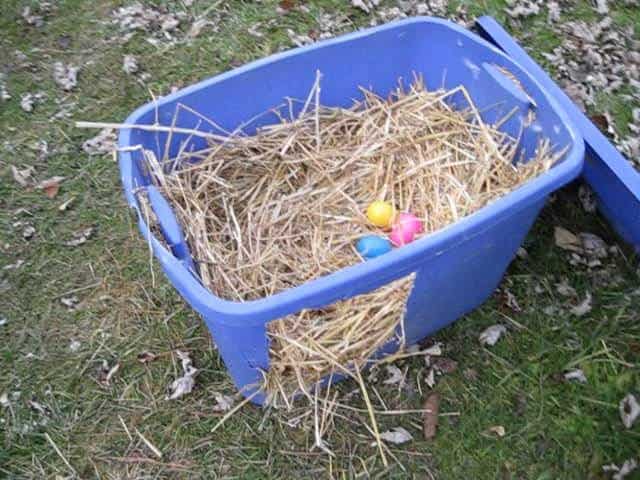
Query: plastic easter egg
pixel 372 246
pixel 400 235
pixel 381 214
pixel 410 222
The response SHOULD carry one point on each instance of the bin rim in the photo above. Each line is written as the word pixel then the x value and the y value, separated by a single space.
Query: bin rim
pixel 327 288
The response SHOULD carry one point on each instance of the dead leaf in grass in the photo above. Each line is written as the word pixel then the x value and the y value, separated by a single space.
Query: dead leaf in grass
pixel 130 64
pixel 38 407
pixel 430 379
pixel 430 416
pixel 470 374
pixel 510 301
pixel 397 435
pixel 567 240
pixel 583 307
pixel 621 472
pixel 492 334
pixel 497 430
pixel 587 199
pixel 184 384
pixel 224 403
pixel 66 76
pixel 146 357
pixel 28 232
pixel 564 289
pixel 106 373
pixel 22 176
pixel 629 410
pixel 65 205
pixel 593 245
pixel 51 186
pixel 69 302
pixel 26 102
pixel 445 365
pixel 396 377
pixel 80 237
pixel 4 400
pixel 576 375
pixel 287 4
pixel 104 142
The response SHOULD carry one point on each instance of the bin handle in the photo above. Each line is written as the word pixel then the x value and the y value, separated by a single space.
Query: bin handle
pixel 509 83
pixel 169 226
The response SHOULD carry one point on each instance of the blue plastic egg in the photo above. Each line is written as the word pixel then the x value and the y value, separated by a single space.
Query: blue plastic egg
pixel 372 246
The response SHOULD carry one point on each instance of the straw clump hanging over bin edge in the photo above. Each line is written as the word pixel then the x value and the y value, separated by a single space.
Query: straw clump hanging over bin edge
pixel 271 211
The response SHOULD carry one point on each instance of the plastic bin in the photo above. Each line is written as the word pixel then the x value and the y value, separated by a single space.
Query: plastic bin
pixel 615 182
pixel 456 268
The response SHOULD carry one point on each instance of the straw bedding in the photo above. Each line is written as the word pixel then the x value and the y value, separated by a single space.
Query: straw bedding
pixel 268 212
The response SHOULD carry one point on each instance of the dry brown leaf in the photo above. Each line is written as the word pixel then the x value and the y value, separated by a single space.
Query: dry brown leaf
pixel 567 240
pixel 397 436
pixel 430 416
pixel 50 186
pixel 22 176
pixel 146 357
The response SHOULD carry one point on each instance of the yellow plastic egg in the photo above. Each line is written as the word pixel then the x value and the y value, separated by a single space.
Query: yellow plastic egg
pixel 381 213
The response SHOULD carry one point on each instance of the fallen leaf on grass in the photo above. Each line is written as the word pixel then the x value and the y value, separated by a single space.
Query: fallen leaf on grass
pixel 398 435
pixel 65 205
pixel 69 302
pixel 51 186
pixel 583 307
pixel 492 334
pixel 510 301
pixel 26 102
pixel 587 199
pixel 593 245
pixel 629 410
pixel 567 240
pixel 22 176
pixel 197 27
pixel 470 374
pixel 430 416
pixel 576 375
pixel 445 365
pixel 395 376
pixel 564 289
pixel 223 402
pixel 106 373
pixel 146 357
pixel 104 142
pixel 38 407
pixel 28 232
pixel 4 400
pixel 430 379
pixel 287 4
pixel 621 472
pixel 183 385
pixel 130 64
pixel 497 430
pixel 14 266
pixel 66 76
pixel 80 237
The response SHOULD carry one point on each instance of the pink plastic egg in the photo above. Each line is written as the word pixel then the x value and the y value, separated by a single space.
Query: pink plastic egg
pixel 400 235
pixel 410 222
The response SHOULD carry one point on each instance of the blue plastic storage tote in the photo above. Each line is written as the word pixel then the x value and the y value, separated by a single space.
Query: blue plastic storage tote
pixel 456 268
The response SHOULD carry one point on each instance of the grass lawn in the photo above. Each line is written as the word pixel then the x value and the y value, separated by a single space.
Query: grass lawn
pixel 60 421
